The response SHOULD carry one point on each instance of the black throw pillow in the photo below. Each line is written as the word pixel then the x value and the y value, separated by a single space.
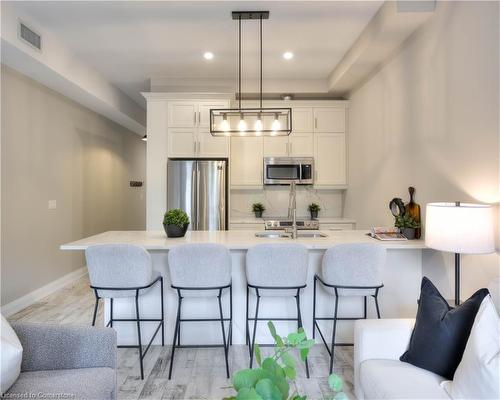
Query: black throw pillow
pixel 441 332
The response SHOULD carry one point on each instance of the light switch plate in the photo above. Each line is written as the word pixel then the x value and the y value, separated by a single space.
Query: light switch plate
pixel 52 204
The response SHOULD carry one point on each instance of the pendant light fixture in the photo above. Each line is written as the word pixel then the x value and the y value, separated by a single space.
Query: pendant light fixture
pixel 250 121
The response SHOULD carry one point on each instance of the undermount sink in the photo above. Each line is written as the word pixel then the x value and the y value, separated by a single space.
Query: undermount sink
pixel 312 235
pixel 300 234
pixel 272 235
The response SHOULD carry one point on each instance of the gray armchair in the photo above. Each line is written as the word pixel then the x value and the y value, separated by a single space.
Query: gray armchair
pixel 62 361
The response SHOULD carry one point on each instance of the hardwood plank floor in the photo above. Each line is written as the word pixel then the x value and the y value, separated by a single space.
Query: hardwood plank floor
pixel 198 373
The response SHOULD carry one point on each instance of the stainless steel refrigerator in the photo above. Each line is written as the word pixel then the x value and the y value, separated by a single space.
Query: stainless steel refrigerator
pixel 199 187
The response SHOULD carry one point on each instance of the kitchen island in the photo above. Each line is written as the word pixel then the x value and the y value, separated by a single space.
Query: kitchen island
pixel 398 298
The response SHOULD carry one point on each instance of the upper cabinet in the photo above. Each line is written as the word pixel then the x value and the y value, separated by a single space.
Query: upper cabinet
pixel 302 119
pixel 246 162
pixel 329 119
pixel 189 130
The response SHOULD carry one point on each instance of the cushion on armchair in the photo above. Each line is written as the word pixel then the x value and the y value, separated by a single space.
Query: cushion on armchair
pixel 441 332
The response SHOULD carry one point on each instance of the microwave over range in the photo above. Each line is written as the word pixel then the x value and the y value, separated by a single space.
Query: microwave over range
pixel 284 170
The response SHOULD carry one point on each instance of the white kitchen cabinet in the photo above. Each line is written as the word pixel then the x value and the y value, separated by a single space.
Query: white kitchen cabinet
pixel 182 114
pixel 301 144
pixel 298 144
pixel 210 146
pixel 276 146
pixel 189 130
pixel 246 163
pixel 204 111
pixel 329 119
pixel 302 119
pixel 330 159
pixel 182 142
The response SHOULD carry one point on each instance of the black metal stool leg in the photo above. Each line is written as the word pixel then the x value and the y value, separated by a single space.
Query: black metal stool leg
pixel 111 312
pixel 176 330
pixel 162 314
pixel 334 329
pixel 247 333
pixel 139 332
pixel 231 315
pixel 223 332
pixel 376 303
pixel 95 310
pixel 179 330
pixel 314 308
pixel 299 324
pixel 254 327
pixel 364 306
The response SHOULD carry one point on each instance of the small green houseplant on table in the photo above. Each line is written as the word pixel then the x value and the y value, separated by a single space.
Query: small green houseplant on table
pixel 314 209
pixel 258 209
pixel 175 223
pixel 407 225
pixel 271 381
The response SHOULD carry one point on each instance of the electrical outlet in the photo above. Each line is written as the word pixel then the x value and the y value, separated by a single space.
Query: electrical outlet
pixel 52 204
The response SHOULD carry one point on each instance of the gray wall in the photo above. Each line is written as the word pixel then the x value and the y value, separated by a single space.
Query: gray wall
pixel 54 149
pixel 430 119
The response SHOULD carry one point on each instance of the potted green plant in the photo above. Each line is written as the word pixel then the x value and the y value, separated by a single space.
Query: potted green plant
pixel 175 223
pixel 275 376
pixel 314 209
pixel 258 209
pixel 407 225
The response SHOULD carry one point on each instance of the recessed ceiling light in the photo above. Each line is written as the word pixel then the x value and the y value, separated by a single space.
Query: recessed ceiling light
pixel 208 55
pixel 288 55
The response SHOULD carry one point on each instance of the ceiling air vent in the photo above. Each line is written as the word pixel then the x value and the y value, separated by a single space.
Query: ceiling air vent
pixel 29 36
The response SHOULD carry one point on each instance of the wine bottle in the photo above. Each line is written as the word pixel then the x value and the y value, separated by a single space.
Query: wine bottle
pixel 413 209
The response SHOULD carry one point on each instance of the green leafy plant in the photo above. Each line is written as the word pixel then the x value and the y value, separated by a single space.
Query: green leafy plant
pixel 406 221
pixel 313 207
pixel 271 381
pixel 176 216
pixel 258 207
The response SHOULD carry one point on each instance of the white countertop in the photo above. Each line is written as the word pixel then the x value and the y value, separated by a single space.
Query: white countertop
pixel 324 220
pixel 234 240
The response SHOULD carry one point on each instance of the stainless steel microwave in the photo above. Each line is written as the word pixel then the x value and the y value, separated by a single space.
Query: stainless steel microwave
pixel 284 170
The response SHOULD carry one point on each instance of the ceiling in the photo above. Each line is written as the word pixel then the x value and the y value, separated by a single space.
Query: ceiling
pixel 131 42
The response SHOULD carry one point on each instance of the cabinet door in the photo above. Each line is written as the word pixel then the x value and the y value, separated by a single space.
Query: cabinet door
pixel 210 146
pixel 301 144
pixel 276 146
pixel 204 111
pixel 330 159
pixel 246 161
pixel 329 119
pixel 302 119
pixel 182 114
pixel 181 142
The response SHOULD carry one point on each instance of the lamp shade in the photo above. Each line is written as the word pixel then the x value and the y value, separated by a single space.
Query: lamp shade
pixel 465 228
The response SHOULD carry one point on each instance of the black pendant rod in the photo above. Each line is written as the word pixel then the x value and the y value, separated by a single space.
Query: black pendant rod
pixel 260 20
pixel 239 61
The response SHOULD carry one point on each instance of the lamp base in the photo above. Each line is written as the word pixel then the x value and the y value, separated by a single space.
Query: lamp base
pixel 457 279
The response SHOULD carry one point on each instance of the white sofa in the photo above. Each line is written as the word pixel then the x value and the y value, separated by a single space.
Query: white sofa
pixel 378 373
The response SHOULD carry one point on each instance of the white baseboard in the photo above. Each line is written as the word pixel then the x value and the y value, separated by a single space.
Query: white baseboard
pixel 38 294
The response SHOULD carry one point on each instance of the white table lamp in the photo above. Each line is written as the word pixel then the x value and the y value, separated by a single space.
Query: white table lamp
pixel 459 228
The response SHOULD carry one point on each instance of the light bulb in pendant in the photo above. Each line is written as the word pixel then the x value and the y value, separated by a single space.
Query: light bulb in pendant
pixel 224 125
pixel 242 125
pixel 276 126
pixel 258 124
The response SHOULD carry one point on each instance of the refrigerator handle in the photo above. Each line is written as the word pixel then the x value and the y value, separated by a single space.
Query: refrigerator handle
pixel 194 202
pixel 197 195
pixel 222 195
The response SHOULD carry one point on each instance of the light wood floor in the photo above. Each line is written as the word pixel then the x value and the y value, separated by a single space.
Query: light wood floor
pixel 198 373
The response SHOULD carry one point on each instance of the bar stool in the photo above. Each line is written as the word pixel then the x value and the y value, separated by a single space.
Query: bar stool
pixel 275 270
pixel 201 270
pixel 348 270
pixel 119 271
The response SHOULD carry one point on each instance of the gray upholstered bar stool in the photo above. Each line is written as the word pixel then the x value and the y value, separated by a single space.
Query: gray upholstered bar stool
pixel 124 270
pixel 201 270
pixel 275 270
pixel 348 270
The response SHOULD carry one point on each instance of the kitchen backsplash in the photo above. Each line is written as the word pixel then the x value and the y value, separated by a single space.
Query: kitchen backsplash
pixel 275 199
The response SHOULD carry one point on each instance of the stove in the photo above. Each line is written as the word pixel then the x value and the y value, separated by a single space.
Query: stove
pixel 283 223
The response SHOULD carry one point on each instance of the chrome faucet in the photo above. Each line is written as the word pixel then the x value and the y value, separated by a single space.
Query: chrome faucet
pixel 292 210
